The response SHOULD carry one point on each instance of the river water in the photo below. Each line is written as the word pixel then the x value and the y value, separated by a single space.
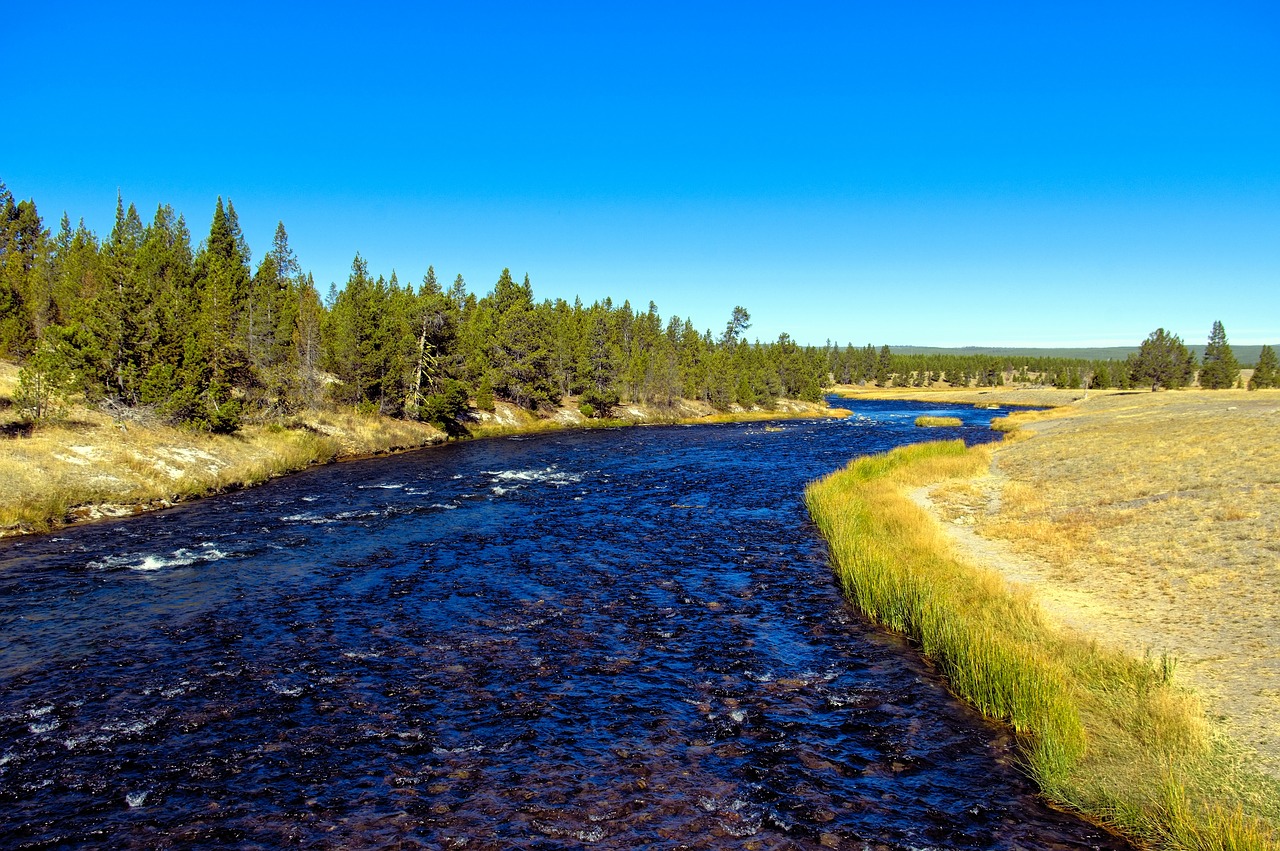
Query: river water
pixel 616 639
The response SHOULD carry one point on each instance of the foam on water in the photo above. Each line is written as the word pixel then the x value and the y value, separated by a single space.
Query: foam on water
pixel 149 562
pixel 306 517
pixel 548 475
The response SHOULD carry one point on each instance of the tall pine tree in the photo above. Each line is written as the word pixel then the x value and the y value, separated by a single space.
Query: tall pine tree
pixel 1220 369
pixel 1266 374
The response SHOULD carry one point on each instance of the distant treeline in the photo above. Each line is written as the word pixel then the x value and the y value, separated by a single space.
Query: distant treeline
pixel 884 367
pixel 142 320
pixel 1247 354
pixel 1161 361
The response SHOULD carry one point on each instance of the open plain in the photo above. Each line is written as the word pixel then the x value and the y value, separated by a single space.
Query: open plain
pixel 1145 521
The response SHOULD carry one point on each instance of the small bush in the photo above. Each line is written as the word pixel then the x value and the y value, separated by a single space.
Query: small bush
pixel 601 402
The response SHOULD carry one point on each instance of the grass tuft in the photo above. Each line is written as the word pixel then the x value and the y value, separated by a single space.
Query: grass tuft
pixel 937 422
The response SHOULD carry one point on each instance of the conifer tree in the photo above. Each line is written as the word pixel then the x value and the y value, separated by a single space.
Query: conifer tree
pixel 308 345
pixel 25 299
pixel 1220 369
pixel 164 273
pixel 1266 374
pixel 521 364
pixel 356 337
pixel 883 367
pixel 44 382
pixel 739 322
pixel 1162 361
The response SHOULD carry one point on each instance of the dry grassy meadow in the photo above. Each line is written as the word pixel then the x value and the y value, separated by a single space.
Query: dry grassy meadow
pixel 87 465
pixel 1150 522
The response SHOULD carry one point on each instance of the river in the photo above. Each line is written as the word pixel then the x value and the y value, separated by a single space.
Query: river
pixel 622 638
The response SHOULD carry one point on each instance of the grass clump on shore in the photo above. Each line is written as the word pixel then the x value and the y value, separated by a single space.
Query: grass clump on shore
pixel 1104 733
pixel 937 422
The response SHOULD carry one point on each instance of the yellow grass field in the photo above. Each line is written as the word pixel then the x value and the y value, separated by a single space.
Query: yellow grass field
pixel 1150 521
pixel 1104 730
pixel 1142 523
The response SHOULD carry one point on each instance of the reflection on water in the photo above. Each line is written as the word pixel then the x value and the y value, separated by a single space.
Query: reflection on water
pixel 616 638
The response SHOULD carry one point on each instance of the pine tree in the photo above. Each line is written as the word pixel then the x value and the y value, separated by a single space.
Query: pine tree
pixel 884 367
pixel 307 343
pixel 521 363
pixel 164 279
pixel 25 282
pixel 1266 374
pixel 1220 370
pixel 45 381
pixel 739 322
pixel 357 338
pixel 1162 361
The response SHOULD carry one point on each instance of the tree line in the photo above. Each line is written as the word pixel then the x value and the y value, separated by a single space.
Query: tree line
pixel 144 319
pixel 1162 361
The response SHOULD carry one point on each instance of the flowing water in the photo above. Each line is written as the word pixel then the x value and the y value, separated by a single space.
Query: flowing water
pixel 619 639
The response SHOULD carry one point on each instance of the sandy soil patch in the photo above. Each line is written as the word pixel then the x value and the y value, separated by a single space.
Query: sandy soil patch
pixel 1150 521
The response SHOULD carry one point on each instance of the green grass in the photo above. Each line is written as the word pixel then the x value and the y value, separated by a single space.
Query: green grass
pixel 1103 733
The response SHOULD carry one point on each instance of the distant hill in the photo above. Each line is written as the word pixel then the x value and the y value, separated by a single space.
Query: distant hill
pixel 1247 355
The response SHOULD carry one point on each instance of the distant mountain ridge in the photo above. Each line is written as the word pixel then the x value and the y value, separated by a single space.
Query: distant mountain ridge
pixel 1247 355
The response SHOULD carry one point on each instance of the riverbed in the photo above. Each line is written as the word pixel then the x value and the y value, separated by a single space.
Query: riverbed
pixel 610 638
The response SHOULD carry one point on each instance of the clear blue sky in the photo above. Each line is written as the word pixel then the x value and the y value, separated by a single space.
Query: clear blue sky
pixel 909 173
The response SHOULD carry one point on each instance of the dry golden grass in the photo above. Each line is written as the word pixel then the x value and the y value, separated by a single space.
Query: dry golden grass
pixel 90 466
pixel 8 379
pixel 938 422
pixel 508 419
pixel 1103 732
pixel 794 411
pixel 1036 397
pixel 1152 520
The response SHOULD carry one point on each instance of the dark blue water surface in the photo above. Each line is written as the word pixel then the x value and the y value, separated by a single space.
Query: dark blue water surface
pixel 626 638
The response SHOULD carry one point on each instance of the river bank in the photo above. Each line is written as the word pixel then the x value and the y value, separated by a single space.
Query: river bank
pixel 1142 525
pixel 88 465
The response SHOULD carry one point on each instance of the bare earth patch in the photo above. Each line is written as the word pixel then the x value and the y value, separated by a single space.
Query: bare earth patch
pixel 1149 521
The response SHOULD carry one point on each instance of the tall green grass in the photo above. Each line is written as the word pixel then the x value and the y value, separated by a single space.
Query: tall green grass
pixel 1104 733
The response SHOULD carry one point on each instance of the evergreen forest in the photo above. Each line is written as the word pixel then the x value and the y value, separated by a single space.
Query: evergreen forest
pixel 147 321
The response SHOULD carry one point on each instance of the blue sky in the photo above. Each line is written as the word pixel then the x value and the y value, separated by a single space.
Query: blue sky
pixel 909 173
